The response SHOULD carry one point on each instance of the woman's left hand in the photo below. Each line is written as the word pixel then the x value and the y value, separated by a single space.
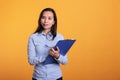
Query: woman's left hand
pixel 55 53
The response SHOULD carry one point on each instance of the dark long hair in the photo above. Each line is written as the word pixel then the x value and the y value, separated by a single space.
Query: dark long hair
pixel 53 28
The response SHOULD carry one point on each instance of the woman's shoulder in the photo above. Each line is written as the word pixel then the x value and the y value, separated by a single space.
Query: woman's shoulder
pixel 59 36
pixel 33 35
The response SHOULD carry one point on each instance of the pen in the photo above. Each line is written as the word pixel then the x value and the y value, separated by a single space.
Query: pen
pixel 47 46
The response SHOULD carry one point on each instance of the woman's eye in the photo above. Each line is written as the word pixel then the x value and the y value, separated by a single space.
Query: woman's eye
pixel 49 18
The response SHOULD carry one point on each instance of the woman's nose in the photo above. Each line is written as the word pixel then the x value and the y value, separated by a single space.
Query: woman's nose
pixel 46 20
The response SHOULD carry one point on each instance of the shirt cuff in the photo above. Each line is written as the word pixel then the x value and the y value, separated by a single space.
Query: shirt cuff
pixel 58 59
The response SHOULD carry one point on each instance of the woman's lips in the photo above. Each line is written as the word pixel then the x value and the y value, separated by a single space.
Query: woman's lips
pixel 45 24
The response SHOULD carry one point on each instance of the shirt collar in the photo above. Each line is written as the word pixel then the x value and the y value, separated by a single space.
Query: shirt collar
pixel 49 34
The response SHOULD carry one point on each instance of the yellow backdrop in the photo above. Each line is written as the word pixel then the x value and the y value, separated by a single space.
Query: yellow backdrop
pixel 95 24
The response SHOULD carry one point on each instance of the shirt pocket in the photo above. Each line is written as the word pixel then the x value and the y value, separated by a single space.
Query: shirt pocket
pixel 40 48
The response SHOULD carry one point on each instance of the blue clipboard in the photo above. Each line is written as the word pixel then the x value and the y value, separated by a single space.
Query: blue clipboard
pixel 64 46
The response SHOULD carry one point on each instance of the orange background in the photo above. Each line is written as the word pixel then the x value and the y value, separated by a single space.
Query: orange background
pixel 95 24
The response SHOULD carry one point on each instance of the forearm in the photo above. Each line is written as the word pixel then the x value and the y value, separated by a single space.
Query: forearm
pixel 36 60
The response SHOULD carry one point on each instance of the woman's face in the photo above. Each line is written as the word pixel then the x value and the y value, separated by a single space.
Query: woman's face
pixel 47 20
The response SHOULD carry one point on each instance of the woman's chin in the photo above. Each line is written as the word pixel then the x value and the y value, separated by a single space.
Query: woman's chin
pixel 46 27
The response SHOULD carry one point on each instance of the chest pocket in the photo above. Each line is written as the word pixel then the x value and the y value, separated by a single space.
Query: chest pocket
pixel 40 48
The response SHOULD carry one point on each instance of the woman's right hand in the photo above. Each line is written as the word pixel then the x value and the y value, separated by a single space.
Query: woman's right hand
pixel 55 53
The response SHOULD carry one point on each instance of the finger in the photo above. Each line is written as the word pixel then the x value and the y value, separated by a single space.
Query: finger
pixel 58 49
pixel 53 50
pixel 52 54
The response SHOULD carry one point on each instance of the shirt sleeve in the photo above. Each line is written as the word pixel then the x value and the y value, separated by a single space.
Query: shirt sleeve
pixel 32 58
pixel 62 59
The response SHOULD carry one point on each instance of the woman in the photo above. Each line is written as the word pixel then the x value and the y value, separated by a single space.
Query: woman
pixel 41 53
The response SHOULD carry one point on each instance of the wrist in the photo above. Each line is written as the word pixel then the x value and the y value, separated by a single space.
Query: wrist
pixel 57 56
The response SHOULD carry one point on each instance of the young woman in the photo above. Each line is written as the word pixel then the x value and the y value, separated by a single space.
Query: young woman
pixel 41 53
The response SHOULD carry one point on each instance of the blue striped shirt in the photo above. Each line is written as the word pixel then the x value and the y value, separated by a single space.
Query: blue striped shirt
pixel 39 45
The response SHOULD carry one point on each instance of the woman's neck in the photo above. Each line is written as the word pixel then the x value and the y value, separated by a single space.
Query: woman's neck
pixel 46 31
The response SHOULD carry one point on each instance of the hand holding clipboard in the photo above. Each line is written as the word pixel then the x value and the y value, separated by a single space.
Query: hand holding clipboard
pixel 64 46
